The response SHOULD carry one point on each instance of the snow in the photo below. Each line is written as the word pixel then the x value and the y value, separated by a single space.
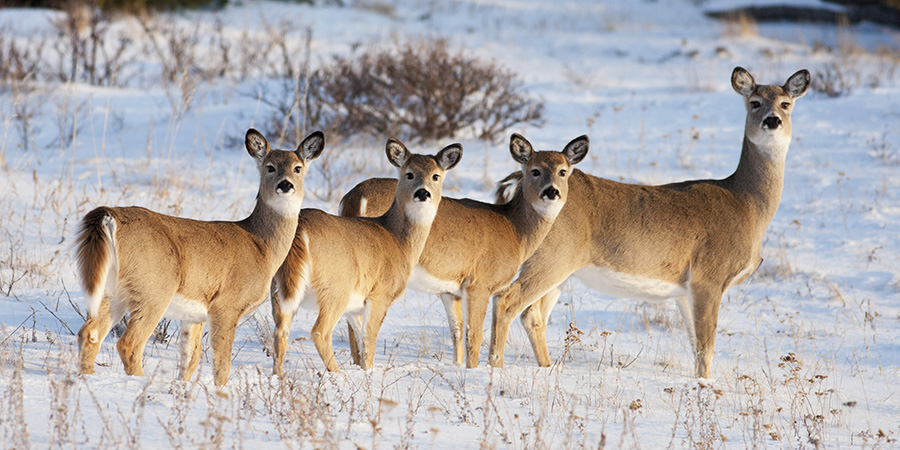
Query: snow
pixel 806 353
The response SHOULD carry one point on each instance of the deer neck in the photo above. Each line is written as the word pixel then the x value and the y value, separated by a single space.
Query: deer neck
pixel 760 177
pixel 410 234
pixel 531 227
pixel 273 231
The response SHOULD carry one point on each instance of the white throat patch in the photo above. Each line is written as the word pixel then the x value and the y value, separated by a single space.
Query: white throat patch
pixel 548 209
pixel 421 213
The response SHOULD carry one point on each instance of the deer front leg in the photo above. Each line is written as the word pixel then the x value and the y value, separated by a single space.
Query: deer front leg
pixel 376 310
pixel 477 300
pixel 191 349
pixel 453 306
pixel 355 333
pixel 221 340
pixel 534 319
pixel 705 302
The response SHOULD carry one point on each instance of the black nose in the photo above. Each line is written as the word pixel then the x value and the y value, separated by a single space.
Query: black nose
pixel 422 195
pixel 285 186
pixel 772 122
pixel 551 193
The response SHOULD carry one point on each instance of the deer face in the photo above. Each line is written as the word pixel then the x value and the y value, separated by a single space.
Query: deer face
pixel 545 174
pixel 282 172
pixel 769 107
pixel 421 178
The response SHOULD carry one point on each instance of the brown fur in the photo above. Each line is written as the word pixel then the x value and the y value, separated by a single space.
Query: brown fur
pixel 477 247
pixel 337 258
pixel 222 268
pixel 691 240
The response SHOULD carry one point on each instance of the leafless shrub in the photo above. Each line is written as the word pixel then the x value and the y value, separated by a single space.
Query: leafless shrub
pixel 422 91
pixel 85 48
pixel 833 80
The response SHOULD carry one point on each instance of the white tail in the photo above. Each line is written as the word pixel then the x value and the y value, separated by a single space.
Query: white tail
pixel 690 240
pixel 131 259
pixel 475 248
pixel 359 266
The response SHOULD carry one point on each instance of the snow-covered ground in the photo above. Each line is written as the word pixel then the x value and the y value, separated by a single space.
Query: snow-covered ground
pixel 807 353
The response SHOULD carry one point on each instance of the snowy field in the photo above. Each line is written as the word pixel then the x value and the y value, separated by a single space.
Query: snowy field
pixel 807 353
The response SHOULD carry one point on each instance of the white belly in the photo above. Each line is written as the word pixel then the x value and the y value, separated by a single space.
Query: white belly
pixel 637 287
pixel 422 281
pixel 310 301
pixel 186 310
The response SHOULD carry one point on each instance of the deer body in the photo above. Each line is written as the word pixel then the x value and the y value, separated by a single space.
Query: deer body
pixel 359 266
pixel 131 259
pixel 475 248
pixel 690 241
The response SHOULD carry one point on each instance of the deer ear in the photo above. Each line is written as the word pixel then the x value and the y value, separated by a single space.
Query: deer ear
pixel 396 152
pixel 256 144
pixel 576 150
pixel 742 82
pixel 797 85
pixel 312 146
pixel 449 156
pixel 520 149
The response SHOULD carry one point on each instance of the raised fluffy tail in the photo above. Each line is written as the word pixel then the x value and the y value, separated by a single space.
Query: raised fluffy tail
pixel 507 188
pixel 96 255
pixel 293 277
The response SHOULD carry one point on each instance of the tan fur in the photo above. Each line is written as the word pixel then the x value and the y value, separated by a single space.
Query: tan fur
pixel 223 268
pixel 334 259
pixel 477 247
pixel 691 240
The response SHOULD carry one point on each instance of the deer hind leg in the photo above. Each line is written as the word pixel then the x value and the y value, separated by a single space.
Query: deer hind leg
pixel 453 306
pixel 146 312
pixel 330 311
pixel 92 334
pixel 687 319
pixel 376 311
pixel 477 301
pixel 705 302
pixel 355 333
pixel 191 350
pixel 532 284
pixel 534 319
pixel 283 319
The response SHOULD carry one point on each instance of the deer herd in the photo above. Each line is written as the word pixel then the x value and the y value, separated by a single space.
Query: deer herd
pixel 689 241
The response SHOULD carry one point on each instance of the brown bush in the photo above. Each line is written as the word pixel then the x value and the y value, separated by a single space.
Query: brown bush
pixel 420 92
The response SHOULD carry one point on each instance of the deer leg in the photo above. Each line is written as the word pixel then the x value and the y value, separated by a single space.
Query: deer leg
pixel 91 335
pixel 376 311
pixel 356 332
pixel 534 319
pixel 453 305
pixel 146 312
pixel 532 284
pixel 687 320
pixel 191 349
pixel 322 331
pixel 283 321
pixel 705 302
pixel 477 304
pixel 221 340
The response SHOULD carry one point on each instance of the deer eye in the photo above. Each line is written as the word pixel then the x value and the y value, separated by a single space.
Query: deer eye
pixel 409 176
pixel 435 177
pixel 755 104
pixel 270 168
pixel 298 169
pixel 536 172
pixel 562 172
pixel 785 105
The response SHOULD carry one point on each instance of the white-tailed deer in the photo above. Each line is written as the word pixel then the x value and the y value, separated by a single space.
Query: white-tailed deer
pixel 475 248
pixel 359 266
pixel 152 265
pixel 690 240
